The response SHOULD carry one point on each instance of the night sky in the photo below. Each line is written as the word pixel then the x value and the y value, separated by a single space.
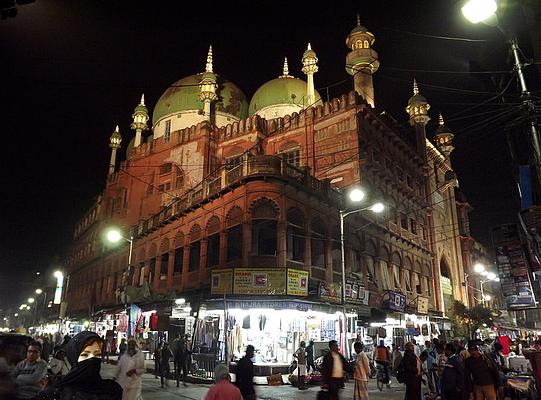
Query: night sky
pixel 72 70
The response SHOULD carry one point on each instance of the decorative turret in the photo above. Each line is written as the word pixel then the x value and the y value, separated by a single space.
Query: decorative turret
pixel 140 119
pixel 444 138
pixel 285 74
pixel 114 144
pixel 309 67
pixel 362 61
pixel 208 86
pixel 418 111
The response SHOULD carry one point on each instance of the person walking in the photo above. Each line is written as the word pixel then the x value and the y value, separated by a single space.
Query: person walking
pixel 165 358
pixel 180 350
pixel 300 356
pixel 59 365
pixel 452 378
pixel 30 372
pixel 122 347
pixel 360 373
pixel 83 381
pixel 413 372
pixel 130 370
pixel 333 370
pixel 157 360
pixel 223 389
pixel 382 357
pixel 245 374
pixel 482 376
pixel 310 366
pixel 396 357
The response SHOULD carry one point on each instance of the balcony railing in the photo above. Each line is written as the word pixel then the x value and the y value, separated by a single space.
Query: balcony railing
pixel 251 166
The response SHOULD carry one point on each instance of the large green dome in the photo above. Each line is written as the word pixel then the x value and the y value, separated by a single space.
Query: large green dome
pixel 284 90
pixel 183 95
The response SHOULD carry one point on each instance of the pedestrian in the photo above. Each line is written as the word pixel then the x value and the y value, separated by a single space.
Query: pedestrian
pixel 130 370
pixel 416 348
pixel 333 370
pixel 429 361
pixel 382 357
pixel 300 356
pixel 482 376
pixel 122 347
pixel 59 365
pixel 157 360
pixel 223 389
pixel 29 374
pixel 245 374
pixel 165 358
pixel 310 366
pixel 46 348
pixel 413 372
pixel 452 377
pixel 360 373
pixel 180 350
pixel 83 381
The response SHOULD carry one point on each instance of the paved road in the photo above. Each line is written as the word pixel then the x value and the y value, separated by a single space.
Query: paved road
pixel 153 391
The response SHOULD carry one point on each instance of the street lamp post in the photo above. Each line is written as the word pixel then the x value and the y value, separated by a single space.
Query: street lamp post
pixel 115 236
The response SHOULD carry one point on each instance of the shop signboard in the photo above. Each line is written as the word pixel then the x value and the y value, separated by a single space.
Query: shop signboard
pixel 397 301
pixel 422 305
pixel 530 221
pixel 259 281
pixel 512 268
pixel 222 281
pixel 356 293
pixel 330 291
pixel 297 282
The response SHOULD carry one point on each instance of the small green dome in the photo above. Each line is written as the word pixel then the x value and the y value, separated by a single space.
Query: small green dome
pixel 359 28
pixel 141 108
pixel 183 95
pixel 280 91
pixel 417 100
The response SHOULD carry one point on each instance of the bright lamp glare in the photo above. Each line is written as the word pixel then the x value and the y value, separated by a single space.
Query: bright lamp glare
pixel 377 208
pixel 58 274
pixel 479 10
pixel 356 195
pixel 113 236
pixel 39 291
pixel 479 268
pixel 497 279
pixel 488 297
pixel 31 300
pixel 491 276
pixel 483 273
pixel 180 301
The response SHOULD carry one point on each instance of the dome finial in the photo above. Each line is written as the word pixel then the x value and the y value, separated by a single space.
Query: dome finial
pixel 209 60
pixel 358 19
pixel 142 103
pixel 441 123
pixel 309 47
pixel 285 73
pixel 116 129
pixel 415 87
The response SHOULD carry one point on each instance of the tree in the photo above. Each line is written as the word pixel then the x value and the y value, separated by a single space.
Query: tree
pixel 472 319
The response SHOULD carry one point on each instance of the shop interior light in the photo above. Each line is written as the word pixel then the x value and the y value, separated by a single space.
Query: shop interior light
pixel 16 314
pixel 178 302
pixel 187 309
pixel 479 268
pixel 491 276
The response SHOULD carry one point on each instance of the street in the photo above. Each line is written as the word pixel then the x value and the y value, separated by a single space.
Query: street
pixel 152 390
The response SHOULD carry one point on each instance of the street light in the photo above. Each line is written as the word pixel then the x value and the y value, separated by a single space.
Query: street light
pixel 39 291
pixel 31 300
pixel 114 236
pixel 486 10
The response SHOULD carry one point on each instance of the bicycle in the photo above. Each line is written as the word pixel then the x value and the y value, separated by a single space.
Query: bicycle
pixel 380 378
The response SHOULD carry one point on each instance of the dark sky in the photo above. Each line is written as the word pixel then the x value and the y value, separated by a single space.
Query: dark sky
pixel 71 70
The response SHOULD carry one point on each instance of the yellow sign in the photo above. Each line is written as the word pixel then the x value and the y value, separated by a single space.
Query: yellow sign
pixel 297 282
pixel 422 305
pixel 259 281
pixel 222 281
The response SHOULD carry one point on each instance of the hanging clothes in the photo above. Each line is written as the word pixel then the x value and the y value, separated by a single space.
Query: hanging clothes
pixel 505 341
pixel 246 322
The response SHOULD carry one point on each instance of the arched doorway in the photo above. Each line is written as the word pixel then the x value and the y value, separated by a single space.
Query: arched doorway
pixel 446 283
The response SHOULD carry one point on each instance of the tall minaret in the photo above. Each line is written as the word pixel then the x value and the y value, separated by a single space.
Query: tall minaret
pixel 418 111
pixel 140 119
pixel 444 139
pixel 114 144
pixel 362 61
pixel 208 86
pixel 309 67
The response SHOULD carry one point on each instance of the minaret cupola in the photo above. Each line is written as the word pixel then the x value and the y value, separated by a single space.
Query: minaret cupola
pixel 140 120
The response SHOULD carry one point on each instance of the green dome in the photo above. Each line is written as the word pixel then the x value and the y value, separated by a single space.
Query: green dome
pixel 141 108
pixel 183 95
pixel 280 91
pixel 417 100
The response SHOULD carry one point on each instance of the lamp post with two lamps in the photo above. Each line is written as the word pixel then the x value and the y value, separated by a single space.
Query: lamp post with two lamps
pixel 480 269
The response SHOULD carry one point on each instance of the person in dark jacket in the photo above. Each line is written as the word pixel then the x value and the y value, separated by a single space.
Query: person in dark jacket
pixel 482 377
pixel 165 359
pixel 310 366
pixel 413 372
pixel 333 369
pixel 245 374
pixel 452 377
pixel 83 381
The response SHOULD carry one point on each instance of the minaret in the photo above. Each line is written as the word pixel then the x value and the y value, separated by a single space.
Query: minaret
pixel 114 144
pixel 309 67
pixel 140 119
pixel 444 139
pixel 418 111
pixel 362 61
pixel 208 86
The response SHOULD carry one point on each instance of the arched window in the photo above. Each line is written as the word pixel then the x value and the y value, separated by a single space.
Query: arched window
pixel 317 242
pixel 295 235
pixel 152 263
pixel 407 275
pixel 385 276
pixel 233 225
pixel 164 258
pixel 179 254
pixel 195 248
pixel 179 178
pixel 213 241
pixel 264 228
pixel 396 263
pixel 292 153
pixel 366 44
